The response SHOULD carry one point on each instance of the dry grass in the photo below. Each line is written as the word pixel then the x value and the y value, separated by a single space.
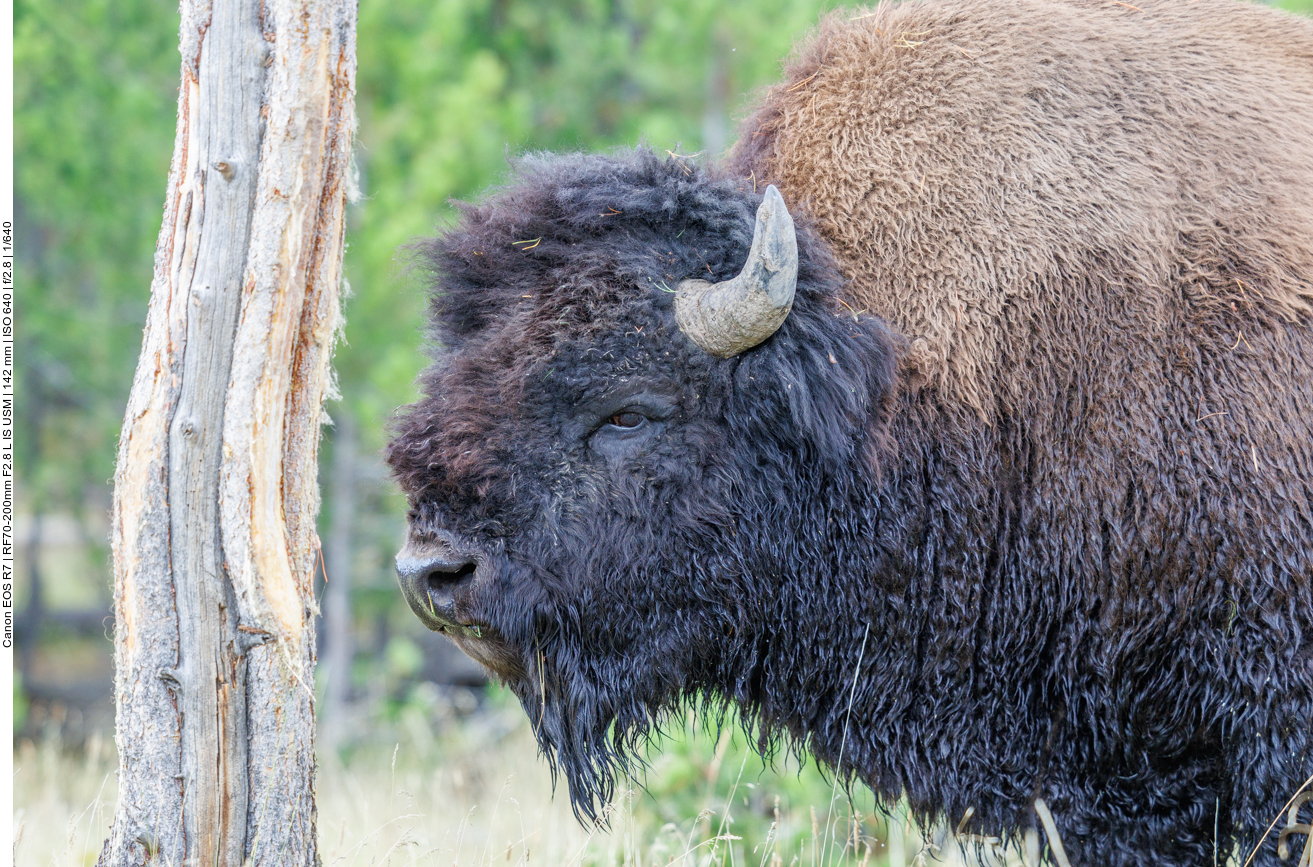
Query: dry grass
pixel 475 798
pixel 477 795
pixel 63 800
pixel 480 796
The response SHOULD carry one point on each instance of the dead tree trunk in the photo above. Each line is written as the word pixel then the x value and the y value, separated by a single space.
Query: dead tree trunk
pixel 215 493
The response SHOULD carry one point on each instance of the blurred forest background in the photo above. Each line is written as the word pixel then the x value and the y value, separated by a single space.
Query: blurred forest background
pixel 447 92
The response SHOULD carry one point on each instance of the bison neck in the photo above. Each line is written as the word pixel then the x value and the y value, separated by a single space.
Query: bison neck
pixel 945 635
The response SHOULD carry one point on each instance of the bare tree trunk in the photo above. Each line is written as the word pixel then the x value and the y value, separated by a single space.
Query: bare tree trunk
pixel 338 646
pixel 215 493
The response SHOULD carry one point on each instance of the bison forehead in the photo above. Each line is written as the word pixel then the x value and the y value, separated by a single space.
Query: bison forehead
pixel 547 305
pixel 577 236
pixel 501 404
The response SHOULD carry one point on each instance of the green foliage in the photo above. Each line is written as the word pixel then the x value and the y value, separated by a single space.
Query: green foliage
pixel 707 782
pixel 94 106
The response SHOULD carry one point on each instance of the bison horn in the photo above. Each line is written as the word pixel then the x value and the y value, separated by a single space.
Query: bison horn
pixel 728 317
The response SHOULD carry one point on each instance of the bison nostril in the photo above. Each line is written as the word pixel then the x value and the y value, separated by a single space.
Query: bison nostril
pixel 430 584
pixel 444 575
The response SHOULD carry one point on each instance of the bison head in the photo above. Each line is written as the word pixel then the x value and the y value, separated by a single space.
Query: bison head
pixel 625 491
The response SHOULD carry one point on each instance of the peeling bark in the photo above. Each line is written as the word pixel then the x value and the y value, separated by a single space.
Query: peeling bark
pixel 215 492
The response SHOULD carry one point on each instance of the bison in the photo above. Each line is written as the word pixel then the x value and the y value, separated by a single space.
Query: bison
pixel 984 475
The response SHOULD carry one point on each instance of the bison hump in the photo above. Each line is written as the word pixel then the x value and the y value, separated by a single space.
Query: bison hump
pixel 989 172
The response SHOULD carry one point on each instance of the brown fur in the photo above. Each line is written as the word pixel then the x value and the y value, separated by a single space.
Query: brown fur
pixel 978 164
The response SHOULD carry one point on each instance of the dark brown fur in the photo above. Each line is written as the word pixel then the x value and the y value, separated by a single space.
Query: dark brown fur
pixel 1094 224
pixel 1062 502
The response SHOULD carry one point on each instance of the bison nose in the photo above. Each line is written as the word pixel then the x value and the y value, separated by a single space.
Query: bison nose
pixel 430 583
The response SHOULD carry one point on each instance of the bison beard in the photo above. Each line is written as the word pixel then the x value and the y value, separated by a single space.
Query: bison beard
pixel 1065 495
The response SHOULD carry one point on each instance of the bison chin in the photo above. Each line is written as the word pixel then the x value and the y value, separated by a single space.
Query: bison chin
pixel 600 732
pixel 596 707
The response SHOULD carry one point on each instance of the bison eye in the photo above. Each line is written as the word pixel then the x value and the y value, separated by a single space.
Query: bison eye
pixel 624 425
pixel 626 419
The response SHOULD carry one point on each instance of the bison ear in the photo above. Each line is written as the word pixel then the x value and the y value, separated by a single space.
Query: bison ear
pixel 728 317
pixel 823 388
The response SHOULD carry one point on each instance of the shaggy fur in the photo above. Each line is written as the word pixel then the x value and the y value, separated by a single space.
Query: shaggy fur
pixel 1064 498
pixel 970 159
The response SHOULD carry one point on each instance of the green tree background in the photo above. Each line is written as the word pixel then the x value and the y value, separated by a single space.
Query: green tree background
pixel 447 91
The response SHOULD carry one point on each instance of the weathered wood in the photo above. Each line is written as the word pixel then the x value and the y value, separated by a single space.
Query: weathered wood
pixel 215 493
pixel 210 689
pixel 270 494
